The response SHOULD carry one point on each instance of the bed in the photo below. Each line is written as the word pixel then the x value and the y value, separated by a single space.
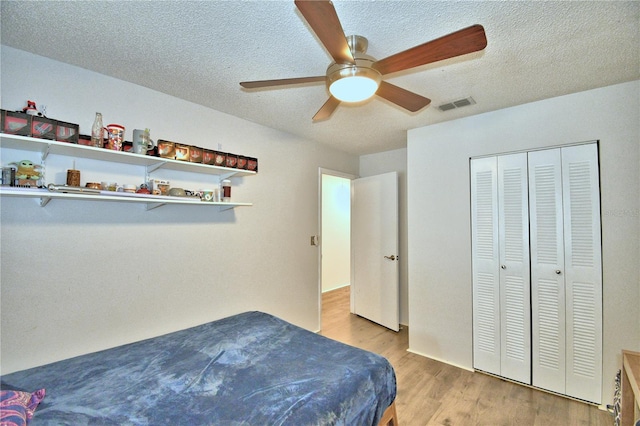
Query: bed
pixel 247 369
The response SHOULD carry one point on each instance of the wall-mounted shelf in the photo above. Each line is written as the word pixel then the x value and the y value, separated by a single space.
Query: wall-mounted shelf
pixel 47 147
pixel 150 164
pixel 152 201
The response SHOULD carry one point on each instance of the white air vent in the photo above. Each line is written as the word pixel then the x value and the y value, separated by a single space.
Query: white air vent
pixel 457 104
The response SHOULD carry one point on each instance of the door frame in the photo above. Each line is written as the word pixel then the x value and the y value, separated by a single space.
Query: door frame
pixel 322 171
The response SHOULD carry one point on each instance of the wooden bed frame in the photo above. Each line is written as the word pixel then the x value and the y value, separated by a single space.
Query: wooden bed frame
pixel 389 417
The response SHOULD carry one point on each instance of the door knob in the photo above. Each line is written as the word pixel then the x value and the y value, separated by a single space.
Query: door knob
pixel 503 266
pixel 392 257
pixel 558 271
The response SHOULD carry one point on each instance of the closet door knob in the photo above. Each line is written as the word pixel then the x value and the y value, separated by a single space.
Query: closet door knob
pixel 558 271
pixel 503 266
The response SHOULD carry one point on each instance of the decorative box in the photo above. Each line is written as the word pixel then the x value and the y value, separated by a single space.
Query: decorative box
pixel 195 154
pixel 16 123
pixel 242 162
pixel 67 132
pixel 43 128
pixel 182 152
pixel 159 186
pixel 220 159
pixel 27 183
pixel 252 164
pixel 84 140
pixel 208 156
pixel 166 149
pixel 232 160
pixel 8 176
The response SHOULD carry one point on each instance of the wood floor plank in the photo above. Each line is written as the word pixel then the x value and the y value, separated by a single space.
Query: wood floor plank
pixel 434 393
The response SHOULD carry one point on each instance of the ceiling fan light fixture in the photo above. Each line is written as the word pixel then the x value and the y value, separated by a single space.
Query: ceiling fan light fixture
pixel 353 83
pixel 355 76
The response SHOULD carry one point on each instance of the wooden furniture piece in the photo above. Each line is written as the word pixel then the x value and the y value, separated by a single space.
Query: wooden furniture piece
pixel 630 387
pixel 390 416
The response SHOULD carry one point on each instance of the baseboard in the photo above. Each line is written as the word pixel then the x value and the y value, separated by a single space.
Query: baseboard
pixel 440 360
pixel 336 288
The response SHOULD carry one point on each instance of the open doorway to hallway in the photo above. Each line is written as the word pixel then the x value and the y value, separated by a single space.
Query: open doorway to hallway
pixel 335 228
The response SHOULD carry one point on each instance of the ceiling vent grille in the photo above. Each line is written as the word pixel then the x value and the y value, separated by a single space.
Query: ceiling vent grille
pixel 457 104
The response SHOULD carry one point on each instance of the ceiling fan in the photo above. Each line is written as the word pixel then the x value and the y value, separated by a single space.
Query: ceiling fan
pixel 355 76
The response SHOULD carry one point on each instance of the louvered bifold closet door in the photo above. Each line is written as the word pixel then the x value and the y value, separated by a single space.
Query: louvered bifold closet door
pixel 566 271
pixel 500 253
pixel 547 265
pixel 583 271
pixel 485 265
pixel 515 312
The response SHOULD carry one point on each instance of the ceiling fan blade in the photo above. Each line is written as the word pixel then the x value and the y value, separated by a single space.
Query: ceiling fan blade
pixel 327 109
pixel 402 97
pixel 324 21
pixel 467 40
pixel 281 82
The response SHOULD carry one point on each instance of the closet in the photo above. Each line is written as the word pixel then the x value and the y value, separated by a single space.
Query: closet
pixel 536 260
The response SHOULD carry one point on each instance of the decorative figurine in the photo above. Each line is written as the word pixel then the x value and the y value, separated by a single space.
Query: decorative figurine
pixel 31 109
pixel 144 189
pixel 27 173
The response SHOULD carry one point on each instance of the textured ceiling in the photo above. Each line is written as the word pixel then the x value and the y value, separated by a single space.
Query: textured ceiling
pixel 200 51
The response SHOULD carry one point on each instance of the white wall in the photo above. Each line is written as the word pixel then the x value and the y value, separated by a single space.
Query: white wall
pixel 394 161
pixel 336 232
pixel 440 294
pixel 79 276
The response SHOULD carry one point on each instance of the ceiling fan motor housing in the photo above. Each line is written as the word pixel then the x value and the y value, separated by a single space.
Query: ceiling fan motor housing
pixel 361 67
pixel 357 44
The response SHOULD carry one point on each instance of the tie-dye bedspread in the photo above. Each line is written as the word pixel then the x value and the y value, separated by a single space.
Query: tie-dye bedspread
pixel 248 369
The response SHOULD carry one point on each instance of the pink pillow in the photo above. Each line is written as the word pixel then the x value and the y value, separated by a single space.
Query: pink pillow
pixel 17 408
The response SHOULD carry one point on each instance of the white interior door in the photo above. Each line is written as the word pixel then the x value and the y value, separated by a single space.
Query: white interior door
pixel 583 271
pixel 515 291
pixel 485 264
pixel 500 263
pixel 547 266
pixel 374 249
pixel 566 271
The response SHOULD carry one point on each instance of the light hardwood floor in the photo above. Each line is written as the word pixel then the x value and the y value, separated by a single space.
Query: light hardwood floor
pixel 434 393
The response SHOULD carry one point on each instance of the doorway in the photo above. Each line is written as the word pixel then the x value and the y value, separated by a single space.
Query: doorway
pixel 360 255
pixel 335 232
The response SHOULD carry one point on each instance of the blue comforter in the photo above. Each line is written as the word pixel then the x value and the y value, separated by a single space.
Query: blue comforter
pixel 248 369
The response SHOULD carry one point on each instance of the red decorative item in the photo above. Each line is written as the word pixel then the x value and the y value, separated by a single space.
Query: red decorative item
pixel 143 189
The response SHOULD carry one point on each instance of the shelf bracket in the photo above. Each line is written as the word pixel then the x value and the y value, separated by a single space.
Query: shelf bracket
pixel 153 167
pixel 45 152
pixel 44 201
pixel 225 208
pixel 151 206
pixel 227 175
